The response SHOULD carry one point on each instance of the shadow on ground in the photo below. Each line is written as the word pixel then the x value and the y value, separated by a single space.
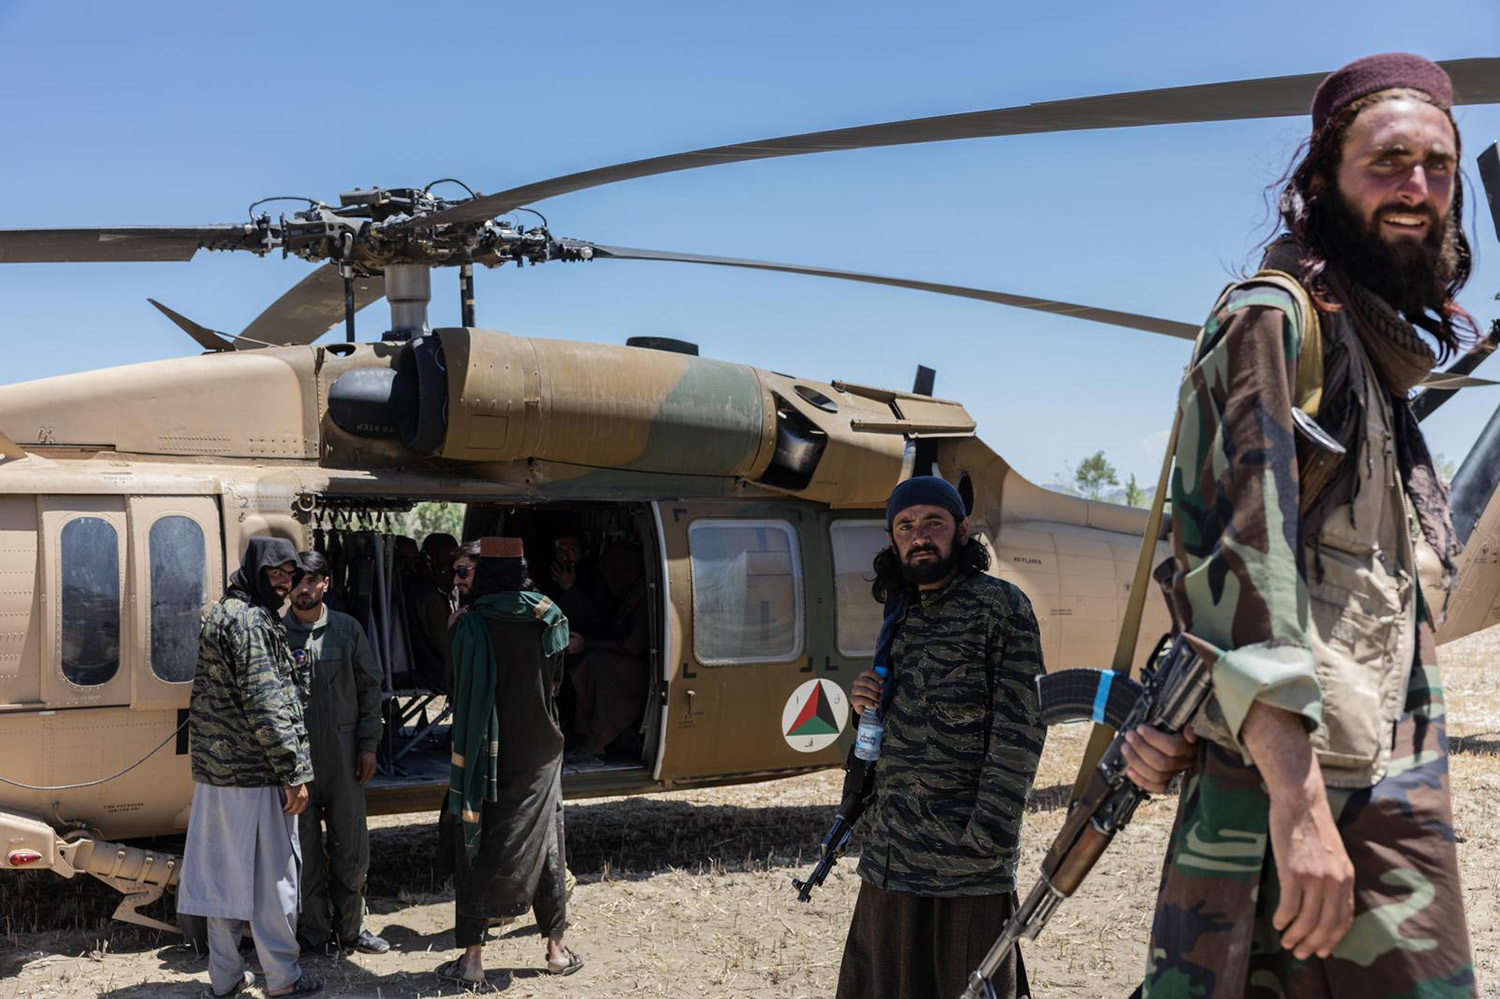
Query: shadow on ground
pixel 633 838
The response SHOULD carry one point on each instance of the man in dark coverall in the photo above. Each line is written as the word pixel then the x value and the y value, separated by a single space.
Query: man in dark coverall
pixel 343 729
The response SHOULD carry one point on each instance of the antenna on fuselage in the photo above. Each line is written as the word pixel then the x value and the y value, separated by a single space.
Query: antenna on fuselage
pixel 925 462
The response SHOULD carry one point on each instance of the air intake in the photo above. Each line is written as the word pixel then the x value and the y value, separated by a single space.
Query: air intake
pixel 666 343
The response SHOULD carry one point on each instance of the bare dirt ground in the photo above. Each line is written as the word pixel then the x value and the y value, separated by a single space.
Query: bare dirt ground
pixel 688 893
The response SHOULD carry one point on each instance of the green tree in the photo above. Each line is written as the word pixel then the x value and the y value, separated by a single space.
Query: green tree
pixel 1134 494
pixel 1093 474
pixel 1444 467
pixel 435 518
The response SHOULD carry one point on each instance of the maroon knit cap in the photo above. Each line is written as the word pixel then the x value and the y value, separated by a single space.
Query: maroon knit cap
pixel 1363 77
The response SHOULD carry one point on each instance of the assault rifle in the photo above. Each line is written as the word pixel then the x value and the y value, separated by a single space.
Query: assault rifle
pixel 1176 684
pixel 859 784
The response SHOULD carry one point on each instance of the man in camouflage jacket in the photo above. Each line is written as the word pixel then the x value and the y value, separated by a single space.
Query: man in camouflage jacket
pixel 1314 854
pixel 251 768
pixel 939 841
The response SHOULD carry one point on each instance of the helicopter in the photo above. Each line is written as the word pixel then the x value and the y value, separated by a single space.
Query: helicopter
pixel 754 499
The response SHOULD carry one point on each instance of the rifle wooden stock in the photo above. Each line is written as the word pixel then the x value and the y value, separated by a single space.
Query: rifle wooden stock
pixel 1080 842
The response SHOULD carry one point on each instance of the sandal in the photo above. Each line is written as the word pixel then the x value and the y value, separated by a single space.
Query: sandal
pixel 449 971
pixel 570 963
pixel 248 981
pixel 304 986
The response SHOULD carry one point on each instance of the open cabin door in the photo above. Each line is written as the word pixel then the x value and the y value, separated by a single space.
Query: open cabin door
pixel 756 682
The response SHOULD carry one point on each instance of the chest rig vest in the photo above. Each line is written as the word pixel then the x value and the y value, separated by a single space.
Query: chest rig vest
pixel 1362 594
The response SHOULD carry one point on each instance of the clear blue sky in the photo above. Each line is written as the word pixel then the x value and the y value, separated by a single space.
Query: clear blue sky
pixel 183 113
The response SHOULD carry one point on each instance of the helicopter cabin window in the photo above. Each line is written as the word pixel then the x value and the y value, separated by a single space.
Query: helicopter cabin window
pixel 747 591
pixel 90 557
pixel 854 544
pixel 177 590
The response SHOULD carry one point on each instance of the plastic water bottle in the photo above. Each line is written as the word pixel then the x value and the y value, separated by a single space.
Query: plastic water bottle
pixel 871 731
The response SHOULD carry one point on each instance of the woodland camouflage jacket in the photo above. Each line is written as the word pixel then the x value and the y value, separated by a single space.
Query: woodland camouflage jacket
pixel 247 728
pixel 1240 577
pixel 962 740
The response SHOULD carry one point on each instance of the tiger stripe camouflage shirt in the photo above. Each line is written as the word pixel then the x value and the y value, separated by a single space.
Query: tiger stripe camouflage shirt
pixel 962 740
pixel 246 722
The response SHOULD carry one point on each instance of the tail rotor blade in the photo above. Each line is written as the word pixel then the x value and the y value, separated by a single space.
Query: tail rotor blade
pixel 1438 393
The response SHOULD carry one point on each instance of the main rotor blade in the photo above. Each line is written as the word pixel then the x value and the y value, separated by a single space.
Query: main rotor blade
pixel 1475 81
pixel 37 246
pixel 1489 175
pixel 1150 324
pixel 211 340
pixel 309 309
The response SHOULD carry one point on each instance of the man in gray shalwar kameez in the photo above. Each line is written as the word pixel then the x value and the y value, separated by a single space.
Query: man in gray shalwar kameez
pixel 250 770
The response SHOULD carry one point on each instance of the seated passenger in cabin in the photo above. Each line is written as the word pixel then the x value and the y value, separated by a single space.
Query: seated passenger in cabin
pixel 576 587
pixel 610 677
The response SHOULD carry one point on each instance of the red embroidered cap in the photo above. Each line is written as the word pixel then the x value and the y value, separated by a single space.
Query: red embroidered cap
pixel 1380 72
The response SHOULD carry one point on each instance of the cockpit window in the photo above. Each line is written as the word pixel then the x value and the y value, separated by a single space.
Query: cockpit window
pixel 90 556
pixel 177 586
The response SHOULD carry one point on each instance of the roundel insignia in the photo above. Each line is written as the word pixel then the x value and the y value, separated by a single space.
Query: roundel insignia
pixel 814 716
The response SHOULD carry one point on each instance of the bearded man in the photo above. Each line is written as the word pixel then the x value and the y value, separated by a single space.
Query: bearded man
pixel 251 769
pixel 1314 853
pixel 342 712
pixel 939 841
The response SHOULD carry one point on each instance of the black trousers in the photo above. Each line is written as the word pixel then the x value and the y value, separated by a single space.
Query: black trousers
pixel 475 886
pixel 336 864
pixel 920 947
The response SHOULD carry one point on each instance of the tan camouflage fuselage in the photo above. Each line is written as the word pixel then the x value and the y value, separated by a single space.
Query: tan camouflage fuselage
pixel 242 443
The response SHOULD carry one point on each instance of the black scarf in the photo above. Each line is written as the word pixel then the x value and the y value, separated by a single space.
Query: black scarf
pixel 1400 358
pixel 249 581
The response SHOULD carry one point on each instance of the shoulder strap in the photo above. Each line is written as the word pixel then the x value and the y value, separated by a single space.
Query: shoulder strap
pixel 1309 392
pixel 1309 388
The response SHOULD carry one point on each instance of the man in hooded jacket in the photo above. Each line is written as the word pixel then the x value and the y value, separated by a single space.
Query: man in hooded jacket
pixel 251 768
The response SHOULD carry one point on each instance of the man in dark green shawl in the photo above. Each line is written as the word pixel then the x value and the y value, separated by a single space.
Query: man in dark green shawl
pixel 505 789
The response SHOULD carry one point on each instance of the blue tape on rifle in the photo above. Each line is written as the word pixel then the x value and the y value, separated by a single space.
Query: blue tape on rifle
pixel 1101 697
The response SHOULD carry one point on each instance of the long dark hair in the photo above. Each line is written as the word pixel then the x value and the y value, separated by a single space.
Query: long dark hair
pixel 973 557
pixel 495 575
pixel 1307 214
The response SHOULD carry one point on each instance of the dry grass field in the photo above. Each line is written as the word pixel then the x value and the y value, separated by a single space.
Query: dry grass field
pixel 688 894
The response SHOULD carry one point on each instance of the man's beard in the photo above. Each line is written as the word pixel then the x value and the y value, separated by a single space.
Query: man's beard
pixel 1411 275
pixel 929 572
pixel 306 603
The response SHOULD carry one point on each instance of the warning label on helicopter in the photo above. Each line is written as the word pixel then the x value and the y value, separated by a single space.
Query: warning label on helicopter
pixel 814 716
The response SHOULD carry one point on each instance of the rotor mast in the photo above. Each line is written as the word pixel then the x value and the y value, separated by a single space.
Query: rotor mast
pixel 408 287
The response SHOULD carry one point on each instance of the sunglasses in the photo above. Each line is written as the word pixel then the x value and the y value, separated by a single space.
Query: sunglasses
pixel 463 571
